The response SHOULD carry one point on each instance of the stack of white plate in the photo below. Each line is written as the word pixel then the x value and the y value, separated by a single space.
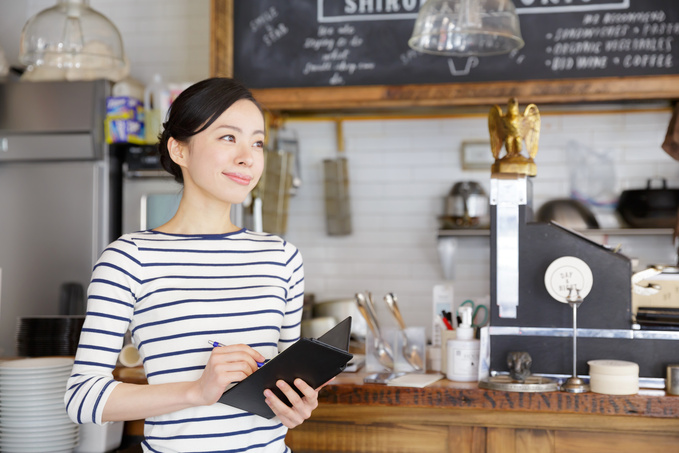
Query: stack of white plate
pixel 32 414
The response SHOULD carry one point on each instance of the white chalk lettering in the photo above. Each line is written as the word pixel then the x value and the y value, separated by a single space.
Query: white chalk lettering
pixel 661 29
pixel 618 45
pixel 325 31
pixel 311 67
pixel 409 5
pixel 317 44
pixel 582 62
pixel 562 63
pixel 653 44
pixel 380 6
pixel 591 19
pixel 267 16
pixel 613 31
pixel 576 47
pixel 409 56
pixel 346 29
pixel 343 66
pixel 336 55
pixel 273 34
pixel 634 17
pixel 350 7
pixel 648 61
pixel 336 79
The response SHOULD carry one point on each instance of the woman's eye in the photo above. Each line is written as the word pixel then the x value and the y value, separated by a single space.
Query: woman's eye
pixel 259 144
pixel 229 138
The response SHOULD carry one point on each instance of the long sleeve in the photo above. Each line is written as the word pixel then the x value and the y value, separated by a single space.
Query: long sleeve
pixel 110 307
pixel 292 321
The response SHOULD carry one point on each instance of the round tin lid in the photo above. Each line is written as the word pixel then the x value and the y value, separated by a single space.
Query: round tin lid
pixel 613 367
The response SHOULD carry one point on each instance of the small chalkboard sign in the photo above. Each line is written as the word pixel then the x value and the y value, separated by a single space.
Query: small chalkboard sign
pixel 363 43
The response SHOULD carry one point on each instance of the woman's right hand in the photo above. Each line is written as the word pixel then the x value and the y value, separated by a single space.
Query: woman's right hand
pixel 226 365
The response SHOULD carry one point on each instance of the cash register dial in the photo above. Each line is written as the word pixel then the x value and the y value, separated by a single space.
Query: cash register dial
pixel 565 273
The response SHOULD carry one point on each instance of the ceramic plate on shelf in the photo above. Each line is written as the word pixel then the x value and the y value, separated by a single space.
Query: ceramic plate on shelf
pixel 37 402
pixel 43 363
pixel 33 420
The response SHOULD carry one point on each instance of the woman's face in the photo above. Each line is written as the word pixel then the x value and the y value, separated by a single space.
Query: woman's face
pixel 225 161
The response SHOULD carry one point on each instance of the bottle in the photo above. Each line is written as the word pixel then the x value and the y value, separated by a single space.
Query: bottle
pixel 156 104
pixel 463 352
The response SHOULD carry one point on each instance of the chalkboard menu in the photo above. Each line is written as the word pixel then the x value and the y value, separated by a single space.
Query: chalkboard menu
pixel 313 43
pixel 328 53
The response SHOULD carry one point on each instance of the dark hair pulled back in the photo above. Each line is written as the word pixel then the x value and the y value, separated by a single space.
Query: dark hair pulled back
pixel 194 110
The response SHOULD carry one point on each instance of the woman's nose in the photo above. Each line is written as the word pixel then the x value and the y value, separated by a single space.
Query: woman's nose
pixel 244 156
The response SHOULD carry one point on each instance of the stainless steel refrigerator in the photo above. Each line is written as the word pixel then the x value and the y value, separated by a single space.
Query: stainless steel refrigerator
pixel 59 195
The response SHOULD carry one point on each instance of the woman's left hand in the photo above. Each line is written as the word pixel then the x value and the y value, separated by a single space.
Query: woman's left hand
pixel 301 406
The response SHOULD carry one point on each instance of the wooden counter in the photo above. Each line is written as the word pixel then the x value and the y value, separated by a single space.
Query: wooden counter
pixel 459 417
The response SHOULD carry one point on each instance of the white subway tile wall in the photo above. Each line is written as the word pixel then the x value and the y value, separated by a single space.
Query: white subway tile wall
pixel 400 171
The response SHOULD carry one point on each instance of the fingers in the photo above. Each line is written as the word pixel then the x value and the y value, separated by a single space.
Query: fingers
pixel 226 365
pixel 331 379
pixel 238 353
pixel 301 406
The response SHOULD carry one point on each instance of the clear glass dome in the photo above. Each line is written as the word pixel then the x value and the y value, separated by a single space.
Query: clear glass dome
pixel 467 27
pixel 74 41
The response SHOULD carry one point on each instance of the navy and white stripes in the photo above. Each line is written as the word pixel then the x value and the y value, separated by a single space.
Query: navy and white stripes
pixel 174 292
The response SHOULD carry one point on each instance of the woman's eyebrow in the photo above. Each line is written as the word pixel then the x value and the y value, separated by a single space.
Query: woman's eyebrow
pixel 238 129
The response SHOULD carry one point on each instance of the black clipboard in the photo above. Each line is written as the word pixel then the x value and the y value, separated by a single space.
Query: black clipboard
pixel 315 361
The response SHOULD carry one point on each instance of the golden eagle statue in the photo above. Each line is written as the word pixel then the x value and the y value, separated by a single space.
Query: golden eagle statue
pixel 514 130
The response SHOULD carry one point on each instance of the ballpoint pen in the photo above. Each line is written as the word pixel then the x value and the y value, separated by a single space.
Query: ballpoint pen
pixel 216 344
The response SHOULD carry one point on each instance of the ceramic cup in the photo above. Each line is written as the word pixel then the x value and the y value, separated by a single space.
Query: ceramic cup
pixel 129 356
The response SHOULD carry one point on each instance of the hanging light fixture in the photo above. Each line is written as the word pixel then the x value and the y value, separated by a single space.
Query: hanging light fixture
pixel 466 28
pixel 72 41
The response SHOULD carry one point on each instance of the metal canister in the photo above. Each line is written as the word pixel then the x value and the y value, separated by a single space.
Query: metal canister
pixel 672 379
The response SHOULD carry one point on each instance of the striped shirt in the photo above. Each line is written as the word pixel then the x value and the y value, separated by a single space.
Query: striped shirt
pixel 174 292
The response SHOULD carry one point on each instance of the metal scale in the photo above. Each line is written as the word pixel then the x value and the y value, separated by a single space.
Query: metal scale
pixel 528 264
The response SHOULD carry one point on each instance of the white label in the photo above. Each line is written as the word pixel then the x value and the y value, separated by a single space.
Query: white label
pixel 466 362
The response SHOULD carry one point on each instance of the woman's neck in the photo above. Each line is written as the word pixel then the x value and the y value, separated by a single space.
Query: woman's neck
pixel 204 218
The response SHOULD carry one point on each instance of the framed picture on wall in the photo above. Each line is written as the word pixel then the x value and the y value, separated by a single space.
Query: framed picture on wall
pixel 476 155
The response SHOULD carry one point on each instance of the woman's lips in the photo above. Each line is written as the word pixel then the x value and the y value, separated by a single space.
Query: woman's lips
pixel 238 178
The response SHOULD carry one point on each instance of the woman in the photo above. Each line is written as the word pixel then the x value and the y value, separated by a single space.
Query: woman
pixel 194 279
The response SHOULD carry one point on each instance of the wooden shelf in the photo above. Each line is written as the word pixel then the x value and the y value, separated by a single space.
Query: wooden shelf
pixel 480 232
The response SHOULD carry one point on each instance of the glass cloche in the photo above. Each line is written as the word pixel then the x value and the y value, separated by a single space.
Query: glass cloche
pixel 71 41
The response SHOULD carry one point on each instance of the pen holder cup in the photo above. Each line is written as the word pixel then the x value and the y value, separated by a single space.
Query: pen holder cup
pixel 393 338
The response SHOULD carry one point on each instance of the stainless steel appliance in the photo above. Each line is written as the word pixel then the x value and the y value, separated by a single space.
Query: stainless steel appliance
pixel 59 194
pixel 150 194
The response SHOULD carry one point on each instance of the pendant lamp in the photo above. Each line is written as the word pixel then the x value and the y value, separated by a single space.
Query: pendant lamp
pixel 467 28
pixel 72 41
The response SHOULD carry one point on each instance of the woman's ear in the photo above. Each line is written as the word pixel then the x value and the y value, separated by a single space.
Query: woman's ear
pixel 177 151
